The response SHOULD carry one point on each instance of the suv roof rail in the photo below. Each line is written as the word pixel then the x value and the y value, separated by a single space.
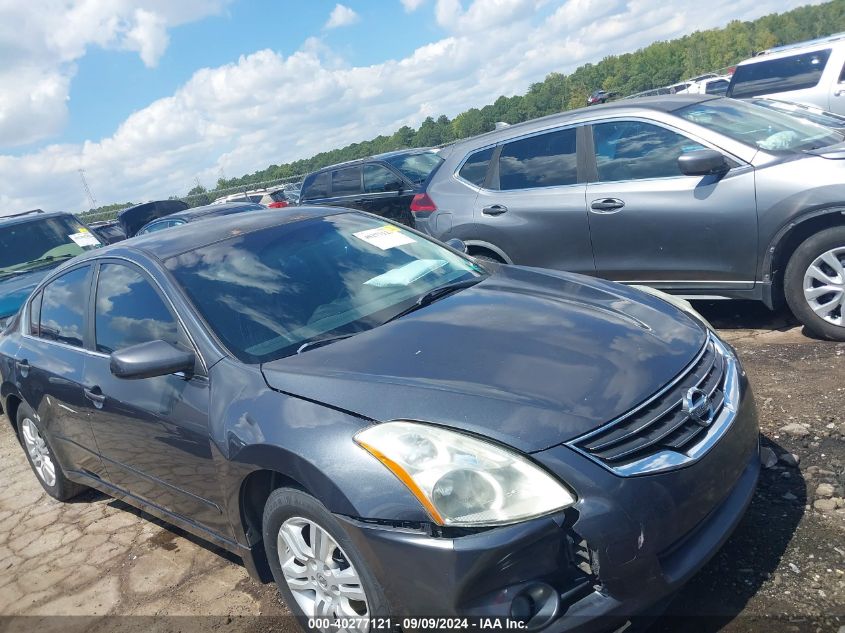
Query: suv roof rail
pixel 17 215
pixel 788 47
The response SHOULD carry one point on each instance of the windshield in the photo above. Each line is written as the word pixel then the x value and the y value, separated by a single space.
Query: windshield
pixel 415 167
pixel 267 293
pixel 759 127
pixel 26 245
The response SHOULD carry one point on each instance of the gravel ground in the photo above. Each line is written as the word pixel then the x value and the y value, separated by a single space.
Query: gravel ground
pixel 782 570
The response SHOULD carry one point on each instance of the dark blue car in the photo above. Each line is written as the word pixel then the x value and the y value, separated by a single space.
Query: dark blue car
pixel 385 426
pixel 32 244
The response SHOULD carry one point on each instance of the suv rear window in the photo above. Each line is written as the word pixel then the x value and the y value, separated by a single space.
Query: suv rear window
pixel 783 74
pixel 544 160
pixel 346 182
pixel 316 186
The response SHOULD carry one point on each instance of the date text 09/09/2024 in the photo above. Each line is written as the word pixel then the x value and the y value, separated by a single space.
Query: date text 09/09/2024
pixel 434 623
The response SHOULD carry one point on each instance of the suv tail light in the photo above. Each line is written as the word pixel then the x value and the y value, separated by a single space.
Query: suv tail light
pixel 277 205
pixel 422 205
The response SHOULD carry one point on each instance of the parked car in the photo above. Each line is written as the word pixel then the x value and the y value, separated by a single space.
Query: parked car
pixel 386 425
pixel 600 96
pixel 132 219
pixel 692 194
pixel 711 85
pixel 199 213
pixel 109 231
pixel 388 185
pixel 807 72
pixel 272 198
pixel 32 244
pixel 809 113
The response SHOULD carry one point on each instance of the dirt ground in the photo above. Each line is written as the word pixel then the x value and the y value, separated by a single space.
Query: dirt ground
pixel 782 570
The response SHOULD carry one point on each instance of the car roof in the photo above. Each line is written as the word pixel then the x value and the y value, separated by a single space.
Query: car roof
pixel 188 237
pixel 190 215
pixel 660 103
pixel 31 216
pixel 377 157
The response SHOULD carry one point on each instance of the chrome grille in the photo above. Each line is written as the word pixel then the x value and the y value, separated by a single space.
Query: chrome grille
pixel 661 423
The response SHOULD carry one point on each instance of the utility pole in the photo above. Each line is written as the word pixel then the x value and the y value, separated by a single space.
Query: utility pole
pixel 87 189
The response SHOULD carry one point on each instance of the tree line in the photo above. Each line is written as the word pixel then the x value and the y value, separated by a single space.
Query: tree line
pixel 659 64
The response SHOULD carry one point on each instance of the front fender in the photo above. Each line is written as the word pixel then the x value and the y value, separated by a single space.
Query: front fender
pixel 255 428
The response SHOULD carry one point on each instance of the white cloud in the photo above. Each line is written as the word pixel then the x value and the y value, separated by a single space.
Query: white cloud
pixel 412 5
pixel 226 118
pixel 341 16
pixel 40 41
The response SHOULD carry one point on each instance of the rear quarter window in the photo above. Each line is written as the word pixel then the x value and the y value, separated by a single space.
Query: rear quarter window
pixel 795 72
pixel 474 170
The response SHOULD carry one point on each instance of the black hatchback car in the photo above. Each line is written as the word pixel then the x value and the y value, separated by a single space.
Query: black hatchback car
pixel 389 428
pixel 390 185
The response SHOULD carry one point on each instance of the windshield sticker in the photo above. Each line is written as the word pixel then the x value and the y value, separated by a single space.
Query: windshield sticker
pixel 385 237
pixel 407 274
pixel 84 238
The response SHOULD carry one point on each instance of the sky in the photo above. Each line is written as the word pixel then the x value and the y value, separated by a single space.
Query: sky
pixel 149 97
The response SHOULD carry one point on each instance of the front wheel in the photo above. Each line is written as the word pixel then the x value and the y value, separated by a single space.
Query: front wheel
pixel 321 575
pixel 814 283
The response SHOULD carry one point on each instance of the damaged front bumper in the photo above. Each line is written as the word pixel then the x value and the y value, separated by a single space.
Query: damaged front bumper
pixel 625 546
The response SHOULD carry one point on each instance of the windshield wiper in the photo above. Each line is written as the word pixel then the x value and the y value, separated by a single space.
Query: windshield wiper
pixel 319 342
pixel 35 263
pixel 436 293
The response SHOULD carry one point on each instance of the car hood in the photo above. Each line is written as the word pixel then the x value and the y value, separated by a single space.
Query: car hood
pixel 15 290
pixel 527 357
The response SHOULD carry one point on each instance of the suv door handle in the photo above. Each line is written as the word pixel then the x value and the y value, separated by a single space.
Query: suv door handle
pixel 606 205
pixel 23 367
pixel 95 395
pixel 496 209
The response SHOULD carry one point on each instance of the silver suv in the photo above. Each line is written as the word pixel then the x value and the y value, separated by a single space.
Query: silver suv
pixel 700 196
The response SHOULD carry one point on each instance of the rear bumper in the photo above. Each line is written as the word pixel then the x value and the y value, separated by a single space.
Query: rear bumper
pixel 627 545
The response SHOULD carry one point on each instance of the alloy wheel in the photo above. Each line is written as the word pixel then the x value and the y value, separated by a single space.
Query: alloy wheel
pixel 824 286
pixel 38 451
pixel 320 575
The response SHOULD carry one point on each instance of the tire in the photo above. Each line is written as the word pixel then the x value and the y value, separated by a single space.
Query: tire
pixel 42 459
pixel 299 512
pixel 811 270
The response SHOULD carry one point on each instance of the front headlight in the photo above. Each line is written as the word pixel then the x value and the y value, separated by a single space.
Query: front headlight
pixel 463 481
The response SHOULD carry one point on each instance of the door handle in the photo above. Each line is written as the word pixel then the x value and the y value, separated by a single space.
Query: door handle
pixel 23 367
pixel 496 209
pixel 95 395
pixel 606 205
pixel 838 93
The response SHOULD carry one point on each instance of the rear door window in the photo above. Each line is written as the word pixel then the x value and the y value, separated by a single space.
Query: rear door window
pixel 634 150
pixel 544 160
pixel 63 308
pixel 795 72
pixel 474 169
pixel 378 179
pixel 316 186
pixel 346 182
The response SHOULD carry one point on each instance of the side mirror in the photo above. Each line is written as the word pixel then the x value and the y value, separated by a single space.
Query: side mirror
pixel 457 244
pixel 148 360
pixel 703 162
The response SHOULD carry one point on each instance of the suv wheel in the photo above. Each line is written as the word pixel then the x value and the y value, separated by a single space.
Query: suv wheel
pixel 815 283
pixel 318 569
pixel 42 459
